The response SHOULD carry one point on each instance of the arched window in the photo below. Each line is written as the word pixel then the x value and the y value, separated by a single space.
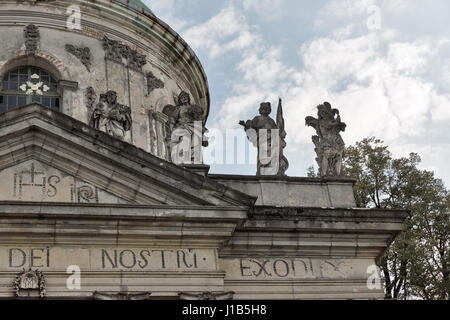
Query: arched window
pixel 25 85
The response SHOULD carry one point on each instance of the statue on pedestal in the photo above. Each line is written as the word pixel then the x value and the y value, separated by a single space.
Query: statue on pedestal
pixel 269 137
pixel 328 141
pixel 187 132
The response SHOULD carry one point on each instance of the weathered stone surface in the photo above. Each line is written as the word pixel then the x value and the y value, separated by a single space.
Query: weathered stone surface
pixel 73 197
pixel 269 138
pixel 293 192
pixel 143 48
pixel 186 131
pixel 46 258
pixel 34 181
pixel 328 141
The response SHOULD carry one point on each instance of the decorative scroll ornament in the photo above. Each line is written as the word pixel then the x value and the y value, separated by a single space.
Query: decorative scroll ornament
pixel 34 86
pixel 82 53
pixel 121 296
pixel 153 83
pixel 328 141
pixel 117 51
pixel 31 33
pixel 269 137
pixel 28 281
pixel 207 296
pixel 87 194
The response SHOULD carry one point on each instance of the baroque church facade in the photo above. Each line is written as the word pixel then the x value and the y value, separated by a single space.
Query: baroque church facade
pixel 95 203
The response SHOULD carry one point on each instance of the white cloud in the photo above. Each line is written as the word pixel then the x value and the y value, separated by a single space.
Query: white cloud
pixel 385 83
pixel 226 31
pixel 267 9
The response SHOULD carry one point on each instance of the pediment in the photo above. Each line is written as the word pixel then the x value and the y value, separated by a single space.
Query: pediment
pixel 35 181
pixel 78 163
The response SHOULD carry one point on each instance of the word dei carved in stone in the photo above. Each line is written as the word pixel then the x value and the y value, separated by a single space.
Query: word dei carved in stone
pixel 82 53
pixel 186 131
pixel 114 117
pixel 32 36
pixel 329 145
pixel 269 137
pixel 117 51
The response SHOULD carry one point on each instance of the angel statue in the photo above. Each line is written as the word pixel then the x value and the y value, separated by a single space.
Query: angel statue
pixel 268 137
pixel 186 129
pixel 328 141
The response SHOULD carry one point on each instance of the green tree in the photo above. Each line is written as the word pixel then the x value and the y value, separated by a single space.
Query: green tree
pixel 417 263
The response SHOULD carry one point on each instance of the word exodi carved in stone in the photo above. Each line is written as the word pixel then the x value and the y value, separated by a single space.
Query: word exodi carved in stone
pixel 328 142
pixel 32 35
pixel 82 53
pixel 153 83
pixel 114 117
pixel 269 137
pixel 186 131
pixel 117 51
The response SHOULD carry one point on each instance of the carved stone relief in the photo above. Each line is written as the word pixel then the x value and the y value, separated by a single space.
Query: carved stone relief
pixel 117 51
pixel 269 137
pixel 114 117
pixel 186 131
pixel 32 35
pixel 153 83
pixel 28 281
pixel 121 296
pixel 328 142
pixel 207 296
pixel 82 53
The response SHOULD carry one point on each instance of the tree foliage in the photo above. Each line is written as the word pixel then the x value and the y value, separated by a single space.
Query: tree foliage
pixel 417 263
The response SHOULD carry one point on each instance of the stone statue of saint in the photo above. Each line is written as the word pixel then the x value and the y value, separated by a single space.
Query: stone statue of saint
pixel 186 131
pixel 113 116
pixel 328 141
pixel 269 138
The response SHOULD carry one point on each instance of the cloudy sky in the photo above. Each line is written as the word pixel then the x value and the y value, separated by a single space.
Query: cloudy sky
pixel 384 63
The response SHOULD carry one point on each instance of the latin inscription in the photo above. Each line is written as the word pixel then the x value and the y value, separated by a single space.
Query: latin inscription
pixel 161 259
pixel 34 181
pixel 108 259
pixel 292 268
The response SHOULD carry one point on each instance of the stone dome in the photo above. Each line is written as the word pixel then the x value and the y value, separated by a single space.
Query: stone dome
pixel 120 51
